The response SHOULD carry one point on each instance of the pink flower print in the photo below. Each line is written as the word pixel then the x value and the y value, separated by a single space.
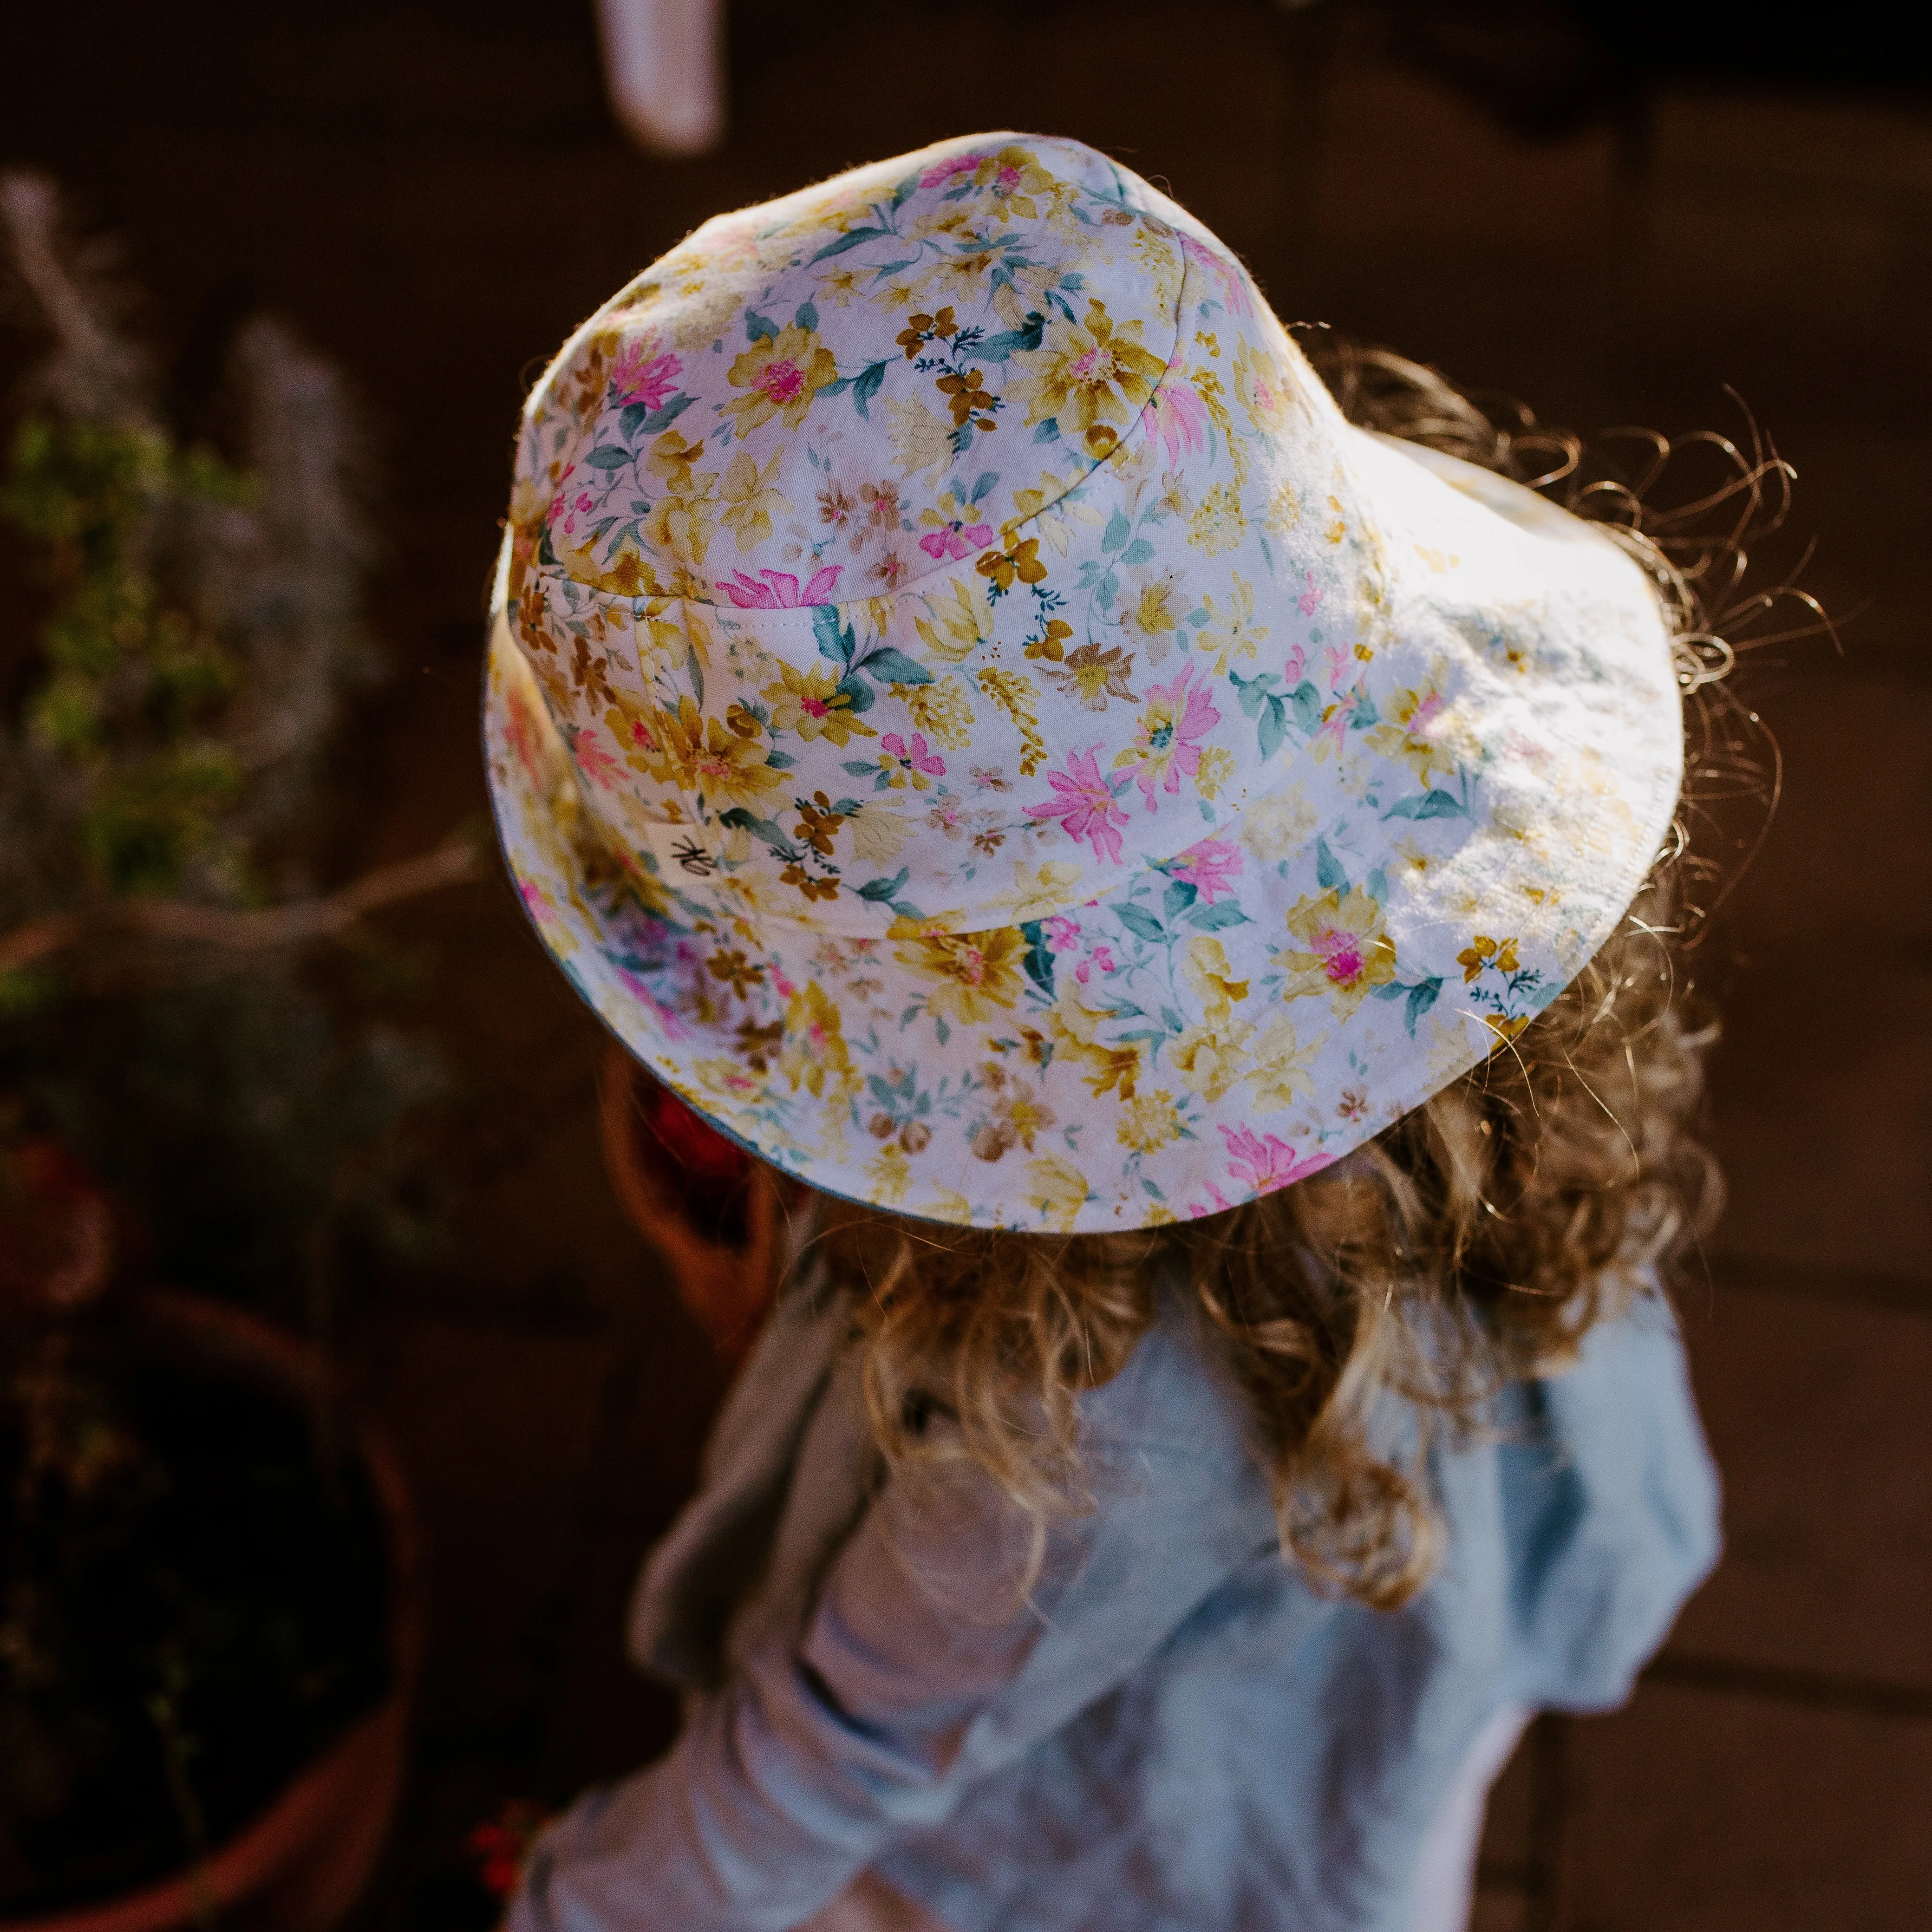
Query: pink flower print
pixel 1217 1204
pixel 783 987
pixel 882 504
pixel 951 541
pixel 948 816
pixel 1296 663
pixel 1233 284
pixel 640 376
pixel 780 590
pixel 559 502
pixel 1102 957
pixel 565 509
pixel 1208 867
pixel 1335 726
pixel 594 762
pixel 1335 661
pixel 1168 746
pixel 1063 934
pixel 783 382
pixel 668 1023
pixel 1311 599
pixel 1085 805
pixel 1262 1163
pixel 1177 415
pixel 902 759
pixel 949 171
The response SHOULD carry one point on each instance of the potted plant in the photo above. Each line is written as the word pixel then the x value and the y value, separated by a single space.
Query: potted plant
pixel 208 1622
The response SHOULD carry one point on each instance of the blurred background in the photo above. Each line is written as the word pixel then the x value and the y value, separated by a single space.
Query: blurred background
pixel 1686 217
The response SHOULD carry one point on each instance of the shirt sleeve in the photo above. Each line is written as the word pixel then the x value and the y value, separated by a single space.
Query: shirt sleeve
pixel 922 1665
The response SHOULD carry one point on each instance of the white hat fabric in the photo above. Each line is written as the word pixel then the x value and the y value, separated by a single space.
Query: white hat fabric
pixel 973 718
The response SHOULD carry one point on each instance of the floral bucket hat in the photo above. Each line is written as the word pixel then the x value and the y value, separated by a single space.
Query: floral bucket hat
pixel 970 716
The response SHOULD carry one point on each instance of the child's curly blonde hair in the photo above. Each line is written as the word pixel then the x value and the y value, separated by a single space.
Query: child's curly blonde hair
pixel 1476 1241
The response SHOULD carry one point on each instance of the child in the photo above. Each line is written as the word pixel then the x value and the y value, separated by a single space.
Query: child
pixel 975 721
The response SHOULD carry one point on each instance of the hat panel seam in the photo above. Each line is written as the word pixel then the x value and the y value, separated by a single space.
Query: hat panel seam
pixel 939 573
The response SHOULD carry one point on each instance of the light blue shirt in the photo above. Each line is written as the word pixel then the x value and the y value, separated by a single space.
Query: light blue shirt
pixel 1174 1729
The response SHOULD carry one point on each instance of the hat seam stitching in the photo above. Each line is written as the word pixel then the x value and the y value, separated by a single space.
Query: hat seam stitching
pixel 940 573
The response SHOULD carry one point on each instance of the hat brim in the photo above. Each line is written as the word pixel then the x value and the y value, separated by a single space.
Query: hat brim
pixel 1172 1048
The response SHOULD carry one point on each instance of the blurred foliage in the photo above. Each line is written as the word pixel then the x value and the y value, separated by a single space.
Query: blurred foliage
pixel 176 651
pixel 133 680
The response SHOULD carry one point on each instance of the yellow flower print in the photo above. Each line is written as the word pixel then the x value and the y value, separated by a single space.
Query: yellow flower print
pixel 1482 952
pixel 1232 632
pixel 1092 379
pixel 878 832
pixel 1207 383
pixel 973 973
pixel 920 438
pixel 1283 1066
pixel 958 618
pixel 1091 675
pixel 734 969
pixel 810 703
pixel 940 710
pixel 1219 524
pixel 683 520
pixel 1216 768
pixel 704 755
pixel 724 1080
pixel 890 1173
pixel 1017 1116
pixel 1162 261
pixel 671 459
pixel 1152 614
pixel 818 822
pixel 944 1205
pixel 1011 692
pixel 1048 510
pixel 750 501
pixel 1210 977
pixel 1344 952
pixel 1019 560
pixel 1210 1059
pixel 1284 509
pixel 1173 499
pixel 1014 177
pixel 625 573
pixel 1039 891
pixel 1262 386
pixel 782 373
pixel 1280 826
pixel 639 731
pixel 1148 1123
pixel 814 1052
pixel 1416 733
pixel 1056 1190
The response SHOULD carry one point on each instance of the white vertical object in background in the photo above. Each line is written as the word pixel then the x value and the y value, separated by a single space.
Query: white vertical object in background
pixel 664 61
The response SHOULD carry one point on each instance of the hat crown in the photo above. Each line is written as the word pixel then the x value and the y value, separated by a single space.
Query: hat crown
pixel 1183 784
pixel 988 451
pixel 956 336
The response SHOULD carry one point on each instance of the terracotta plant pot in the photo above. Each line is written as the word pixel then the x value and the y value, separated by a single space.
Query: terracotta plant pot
pixel 303 1863
pixel 721 1218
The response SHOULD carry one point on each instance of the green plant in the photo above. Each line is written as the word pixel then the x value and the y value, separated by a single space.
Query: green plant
pixel 184 627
